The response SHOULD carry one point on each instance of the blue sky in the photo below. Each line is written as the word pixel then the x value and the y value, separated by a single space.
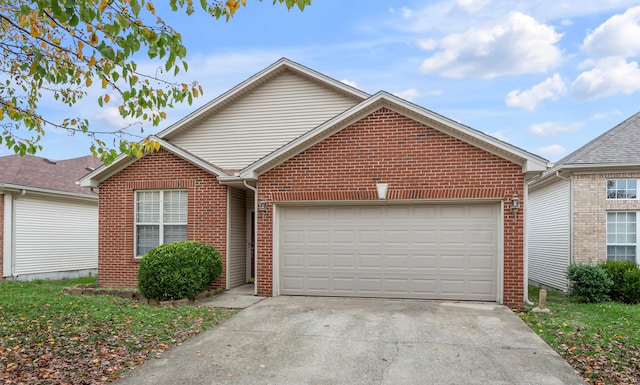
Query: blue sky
pixel 546 75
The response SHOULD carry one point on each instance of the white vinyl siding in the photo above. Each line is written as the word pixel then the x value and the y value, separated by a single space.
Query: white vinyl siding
pixel 549 238
pixel 237 256
pixel 263 121
pixel 161 218
pixel 54 235
pixel 428 251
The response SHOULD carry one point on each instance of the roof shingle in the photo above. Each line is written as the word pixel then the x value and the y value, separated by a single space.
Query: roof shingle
pixel 37 172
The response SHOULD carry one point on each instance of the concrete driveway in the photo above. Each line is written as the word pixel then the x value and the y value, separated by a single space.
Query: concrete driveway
pixel 304 340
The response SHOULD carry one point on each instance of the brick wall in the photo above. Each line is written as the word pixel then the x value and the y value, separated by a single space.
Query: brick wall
pixel 1 236
pixel 590 206
pixel 418 163
pixel 162 170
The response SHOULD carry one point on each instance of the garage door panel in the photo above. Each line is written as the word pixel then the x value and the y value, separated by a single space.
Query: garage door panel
pixel 412 251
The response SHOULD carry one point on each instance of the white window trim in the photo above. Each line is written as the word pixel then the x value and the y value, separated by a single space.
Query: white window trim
pixel 606 189
pixel 637 244
pixel 161 222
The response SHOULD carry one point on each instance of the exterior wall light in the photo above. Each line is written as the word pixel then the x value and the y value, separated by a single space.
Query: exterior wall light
pixel 515 205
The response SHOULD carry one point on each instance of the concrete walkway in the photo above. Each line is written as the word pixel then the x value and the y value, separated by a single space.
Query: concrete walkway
pixel 240 297
pixel 304 340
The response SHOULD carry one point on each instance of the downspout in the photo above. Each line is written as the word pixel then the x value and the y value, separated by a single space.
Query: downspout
pixel 255 232
pixel 526 245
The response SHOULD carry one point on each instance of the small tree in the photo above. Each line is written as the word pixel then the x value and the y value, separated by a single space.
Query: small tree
pixel 59 48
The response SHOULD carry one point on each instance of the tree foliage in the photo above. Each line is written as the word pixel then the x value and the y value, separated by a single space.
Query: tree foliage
pixel 55 50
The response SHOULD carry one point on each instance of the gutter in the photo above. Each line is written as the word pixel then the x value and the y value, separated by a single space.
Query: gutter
pixel 23 190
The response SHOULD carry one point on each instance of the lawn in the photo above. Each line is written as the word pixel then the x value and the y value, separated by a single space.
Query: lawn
pixel 601 341
pixel 47 337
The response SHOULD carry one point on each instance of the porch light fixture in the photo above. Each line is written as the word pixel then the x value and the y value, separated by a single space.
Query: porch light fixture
pixel 515 205
pixel 382 190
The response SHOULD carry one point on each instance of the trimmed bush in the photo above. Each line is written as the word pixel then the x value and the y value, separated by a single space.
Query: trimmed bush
pixel 178 270
pixel 616 271
pixel 589 283
pixel 631 286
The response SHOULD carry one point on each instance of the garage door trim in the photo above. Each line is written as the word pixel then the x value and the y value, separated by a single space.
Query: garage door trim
pixel 499 231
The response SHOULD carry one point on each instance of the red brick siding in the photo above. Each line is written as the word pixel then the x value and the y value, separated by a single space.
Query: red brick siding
pixel 416 161
pixel 1 236
pixel 162 170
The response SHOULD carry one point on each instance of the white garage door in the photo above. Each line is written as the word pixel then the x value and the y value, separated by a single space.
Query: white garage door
pixel 417 251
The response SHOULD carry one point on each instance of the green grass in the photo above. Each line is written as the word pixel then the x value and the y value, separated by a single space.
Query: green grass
pixel 601 341
pixel 47 337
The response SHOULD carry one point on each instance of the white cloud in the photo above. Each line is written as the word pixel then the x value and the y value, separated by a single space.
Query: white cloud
pixel 550 128
pixel 618 36
pixel 351 83
pixel 472 6
pixel 427 44
pixel 409 94
pixel 551 88
pixel 609 77
pixel 552 150
pixel 517 45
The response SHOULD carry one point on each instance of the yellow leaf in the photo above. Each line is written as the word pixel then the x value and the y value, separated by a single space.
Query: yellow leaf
pixel 104 83
pixel 92 61
pixel 106 98
pixel 88 82
pixel 93 39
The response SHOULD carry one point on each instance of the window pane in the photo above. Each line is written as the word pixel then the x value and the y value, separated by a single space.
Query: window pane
pixel 175 207
pixel 147 237
pixel 174 233
pixel 148 206
pixel 622 188
pixel 621 253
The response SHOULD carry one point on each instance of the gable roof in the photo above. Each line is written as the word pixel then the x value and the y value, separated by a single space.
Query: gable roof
pixel 530 163
pixel 121 162
pixel 216 105
pixel 619 145
pixel 35 173
pixel 615 148
pixel 251 84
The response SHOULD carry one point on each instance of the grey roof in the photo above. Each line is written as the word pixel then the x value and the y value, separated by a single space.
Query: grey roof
pixel 34 172
pixel 619 145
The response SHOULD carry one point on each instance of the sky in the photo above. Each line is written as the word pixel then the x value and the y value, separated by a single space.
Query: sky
pixel 546 76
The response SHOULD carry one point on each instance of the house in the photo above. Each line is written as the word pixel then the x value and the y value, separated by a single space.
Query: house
pixel 583 209
pixel 48 224
pixel 281 174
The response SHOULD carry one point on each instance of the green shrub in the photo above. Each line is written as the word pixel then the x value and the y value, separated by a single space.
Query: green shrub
pixel 631 286
pixel 178 270
pixel 616 271
pixel 589 283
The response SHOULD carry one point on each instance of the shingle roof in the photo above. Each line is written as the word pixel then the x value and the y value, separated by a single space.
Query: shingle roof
pixel 36 172
pixel 619 145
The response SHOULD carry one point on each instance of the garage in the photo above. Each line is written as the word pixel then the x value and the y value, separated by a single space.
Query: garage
pixel 430 251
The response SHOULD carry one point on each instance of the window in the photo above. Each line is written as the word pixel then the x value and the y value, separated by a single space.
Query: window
pixel 622 189
pixel 621 236
pixel 161 217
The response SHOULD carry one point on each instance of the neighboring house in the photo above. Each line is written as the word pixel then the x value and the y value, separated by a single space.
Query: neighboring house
pixel 294 159
pixel 48 224
pixel 584 209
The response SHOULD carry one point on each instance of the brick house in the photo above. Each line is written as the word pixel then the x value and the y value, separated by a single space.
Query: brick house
pixel 48 224
pixel 584 208
pixel 308 186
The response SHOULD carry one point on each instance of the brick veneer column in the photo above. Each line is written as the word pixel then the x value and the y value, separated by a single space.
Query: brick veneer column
pixel 162 170
pixel 418 163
